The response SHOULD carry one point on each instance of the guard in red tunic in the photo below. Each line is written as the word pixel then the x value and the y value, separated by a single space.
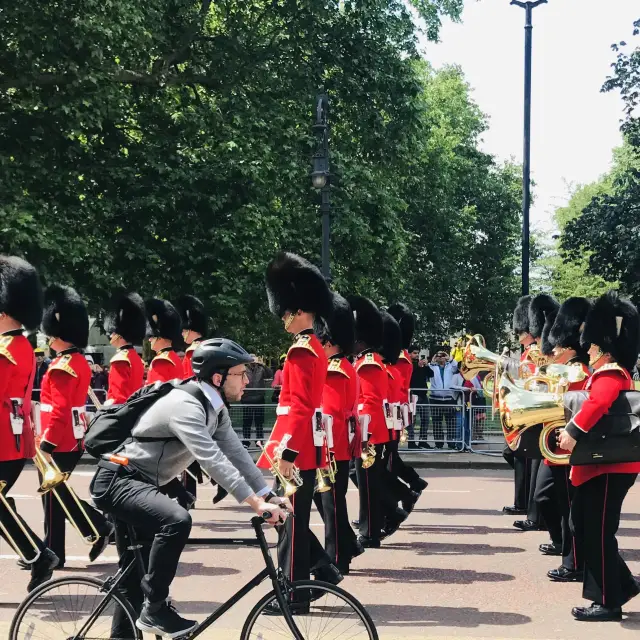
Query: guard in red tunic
pixel 378 506
pixel 63 398
pixel 563 340
pixel 195 325
pixel 126 326
pixel 194 329
pixel 612 332
pixel 165 329
pixel 298 294
pixel 339 406
pixel 20 308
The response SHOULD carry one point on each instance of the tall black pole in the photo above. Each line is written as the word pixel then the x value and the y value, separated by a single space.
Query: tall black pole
pixel 321 173
pixel 526 163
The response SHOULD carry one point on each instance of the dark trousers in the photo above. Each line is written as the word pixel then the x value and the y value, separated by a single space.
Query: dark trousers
pixel 571 552
pixel 339 538
pixel 20 536
pixel 522 471
pixel 157 519
pixel 299 551
pixel 394 466
pixel 443 410
pixel 547 502
pixel 422 412
pixel 81 513
pixel 251 413
pixel 595 516
pixel 533 512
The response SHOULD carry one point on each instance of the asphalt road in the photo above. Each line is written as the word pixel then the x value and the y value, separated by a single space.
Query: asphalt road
pixel 456 569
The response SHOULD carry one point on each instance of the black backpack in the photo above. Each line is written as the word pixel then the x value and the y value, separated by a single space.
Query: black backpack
pixel 112 426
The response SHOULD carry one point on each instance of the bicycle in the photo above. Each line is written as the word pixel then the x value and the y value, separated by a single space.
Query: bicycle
pixel 82 607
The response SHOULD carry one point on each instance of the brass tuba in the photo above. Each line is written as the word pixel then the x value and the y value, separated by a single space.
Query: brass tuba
pixel 477 358
pixel 368 455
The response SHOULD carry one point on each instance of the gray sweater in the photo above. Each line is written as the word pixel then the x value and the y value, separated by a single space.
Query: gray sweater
pixel 213 443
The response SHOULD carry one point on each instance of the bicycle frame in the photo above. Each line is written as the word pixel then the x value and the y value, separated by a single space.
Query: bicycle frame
pixel 111 584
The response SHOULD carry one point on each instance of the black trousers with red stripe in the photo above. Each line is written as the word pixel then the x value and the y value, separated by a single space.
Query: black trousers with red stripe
pixel 54 514
pixel 564 490
pixel 595 517
pixel 339 537
pixel 299 551
pixel 546 499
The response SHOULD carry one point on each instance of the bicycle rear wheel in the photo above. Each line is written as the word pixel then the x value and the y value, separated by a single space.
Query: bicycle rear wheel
pixel 59 608
pixel 333 614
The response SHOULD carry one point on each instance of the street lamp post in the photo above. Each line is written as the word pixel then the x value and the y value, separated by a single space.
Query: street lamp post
pixel 526 164
pixel 320 177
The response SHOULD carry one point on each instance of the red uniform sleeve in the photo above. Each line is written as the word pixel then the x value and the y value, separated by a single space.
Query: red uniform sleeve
pixel 119 382
pixel 187 369
pixel 604 390
pixel 62 385
pixel 300 363
pixel 6 369
pixel 162 370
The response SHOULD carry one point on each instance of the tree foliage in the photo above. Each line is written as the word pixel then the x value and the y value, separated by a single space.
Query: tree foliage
pixel 165 146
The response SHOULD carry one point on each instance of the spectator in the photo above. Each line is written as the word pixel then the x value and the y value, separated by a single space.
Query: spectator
pixel 276 385
pixel 99 383
pixel 421 373
pixel 42 364
pixel 254 399
pixel 443 398
pixel 636 374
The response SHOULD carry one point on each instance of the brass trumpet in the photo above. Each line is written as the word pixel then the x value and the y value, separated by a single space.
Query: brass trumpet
pixel 14 545
pixel 368 455
pixel 289 485
pixel 52 479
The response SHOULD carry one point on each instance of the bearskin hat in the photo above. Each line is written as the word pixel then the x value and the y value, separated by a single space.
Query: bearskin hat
pixel 614 325
pixel 294 283
pixel 406 320
pixel 20 292
pixel 194 317
pixel 340 330
pixel 546 346
pixel 164 320
pixel 368 322
pixel 565 332
pixel 392 338
pixel 521 316
pixel 540 310
pixel 127 318
pixel 65 316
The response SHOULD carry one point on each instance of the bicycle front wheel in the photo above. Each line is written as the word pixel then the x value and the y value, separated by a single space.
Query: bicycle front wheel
pixel 332 614
pixel 58 609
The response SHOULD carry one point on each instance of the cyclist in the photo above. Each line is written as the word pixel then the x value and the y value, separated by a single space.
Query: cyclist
pixel 176 430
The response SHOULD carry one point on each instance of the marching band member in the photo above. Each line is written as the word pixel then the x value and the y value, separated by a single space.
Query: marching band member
pixel 126 326
pixel 376 502
pixel 20 307
pixel 63 398
pixel 339 403
pixel 164 333
pixel 404 369
pixel 612 333
pixel 564 339
pixel 194 327
pixel 298 294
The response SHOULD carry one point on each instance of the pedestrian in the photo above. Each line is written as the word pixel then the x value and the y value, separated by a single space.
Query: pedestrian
pixel 420 375
pixel 254 399
pixel 443 398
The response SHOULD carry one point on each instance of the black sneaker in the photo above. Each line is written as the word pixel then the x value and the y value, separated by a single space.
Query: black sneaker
pixel 102 542
pixel 42 569
pixel 164 621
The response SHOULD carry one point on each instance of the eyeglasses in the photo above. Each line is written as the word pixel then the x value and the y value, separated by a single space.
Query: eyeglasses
pixel 244 375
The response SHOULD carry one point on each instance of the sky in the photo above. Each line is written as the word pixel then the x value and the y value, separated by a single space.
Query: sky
pixel 574 126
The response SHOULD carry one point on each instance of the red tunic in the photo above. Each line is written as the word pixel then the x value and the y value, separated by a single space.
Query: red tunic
pixel 126 375
pixel 17 371
pixel 63 398
pixel 604 385
pixel 405 369
pixel 165 366
pixel 337 401
pixel 303 378
pixel 187 369
pixel 373 392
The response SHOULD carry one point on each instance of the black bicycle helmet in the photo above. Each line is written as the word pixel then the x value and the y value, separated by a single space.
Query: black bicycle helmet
pixel 217 355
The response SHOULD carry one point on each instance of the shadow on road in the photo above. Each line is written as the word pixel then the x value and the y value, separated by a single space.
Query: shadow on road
pixel 458 530
pixel 630 516
pixel 468 617
pixel 447 549
pixel 427 575
pixel 631 621
pixel 630 555
pixel 451 511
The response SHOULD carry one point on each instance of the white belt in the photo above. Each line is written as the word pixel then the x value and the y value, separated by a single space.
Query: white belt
pixel 360 407
pixel 46 408
pixel 282 411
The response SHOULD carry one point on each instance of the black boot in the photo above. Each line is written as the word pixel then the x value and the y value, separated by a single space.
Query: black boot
pixel 42 569
pixel 514 511
pixel 550 549
pixel 562 574
pixel 163 620
pixel 328 573
pixel 527 525
pixel 597 613
pixel 419 485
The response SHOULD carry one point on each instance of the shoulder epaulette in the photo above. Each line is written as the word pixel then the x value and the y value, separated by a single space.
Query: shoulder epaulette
pixel 612 366
pixel 63 364
pixel 335 366
pixel 164 355
pixel 303 342
pixel 403 356
pixel 121 356
pixel 389 371
pixel 369 359
pixel 192 347
pixel 5 341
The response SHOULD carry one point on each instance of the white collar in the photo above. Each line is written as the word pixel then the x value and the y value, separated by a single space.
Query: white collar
pixel 213 396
